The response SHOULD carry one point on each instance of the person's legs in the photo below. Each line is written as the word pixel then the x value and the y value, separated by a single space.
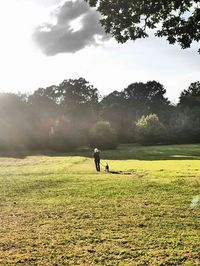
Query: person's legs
pixel 96 165
pixel 98 162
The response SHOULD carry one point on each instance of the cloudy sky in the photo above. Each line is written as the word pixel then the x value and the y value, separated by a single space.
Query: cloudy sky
pixel 44 42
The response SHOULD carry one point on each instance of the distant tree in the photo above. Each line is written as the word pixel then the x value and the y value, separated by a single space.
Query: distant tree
pixel 176 20
pixel 79 102
pixel 64 137
pixel 103 136
pixel 70 93
pixel 120 108
pixel 185 122
pixel 114 110
pixel 75 99
pixel 191 96
pixel 50 92
pixel 13 121
pixel 43 105
pixel 42 112
pixel 146 98
pixel 115 97
pixel 77 92
pixel 150 130
pixel 158 102
pixel 116 114
pixel 185 125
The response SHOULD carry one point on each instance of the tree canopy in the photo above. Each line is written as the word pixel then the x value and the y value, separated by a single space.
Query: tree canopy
pixel 71 115
pixel 178 21
pixel 191 96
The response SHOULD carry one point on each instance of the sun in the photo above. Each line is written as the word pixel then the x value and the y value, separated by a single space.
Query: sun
pixel 18 18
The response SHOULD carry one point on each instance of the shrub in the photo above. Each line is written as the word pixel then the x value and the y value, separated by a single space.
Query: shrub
pixel 150 130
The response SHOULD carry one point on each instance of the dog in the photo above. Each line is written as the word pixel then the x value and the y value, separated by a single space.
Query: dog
pixel 106 167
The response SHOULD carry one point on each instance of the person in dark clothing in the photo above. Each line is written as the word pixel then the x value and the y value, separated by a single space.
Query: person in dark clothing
pixel 96 156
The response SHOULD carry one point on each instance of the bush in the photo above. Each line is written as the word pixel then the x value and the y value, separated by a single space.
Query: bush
pixel 150 130
pixel 103 136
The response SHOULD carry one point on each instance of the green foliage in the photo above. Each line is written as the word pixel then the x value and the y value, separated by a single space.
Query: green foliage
pixel 185 125
pixel 64 136
pixel 13 121
pixel 71 92
pixel 116 114
pixel 76 92
pixel 145 98
pixel 150 130
pixel 190 97
pixel 103 136
pixel 120 108
pixel 177 20
pixel 63 117
pixel 41 114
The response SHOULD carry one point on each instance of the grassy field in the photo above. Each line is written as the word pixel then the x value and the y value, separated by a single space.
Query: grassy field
pixel 56 210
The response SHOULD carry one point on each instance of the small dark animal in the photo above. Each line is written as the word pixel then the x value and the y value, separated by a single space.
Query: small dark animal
pixel 107 168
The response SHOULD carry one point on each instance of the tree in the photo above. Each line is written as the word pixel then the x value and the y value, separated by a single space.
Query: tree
pixel 146 98
pixel 178 21
pixel 13 121
pixel 150 130
pixel 115 97
pixel 191 97
pixel 114 110
pixel 120 108
pixel 64 137
pixel 103 136
pixel 79 102
pixel 187 121
pixel 75 99
pixel 77 92
pixel 42 112
pixel 50 92
pixel 71 92
pixel 185 125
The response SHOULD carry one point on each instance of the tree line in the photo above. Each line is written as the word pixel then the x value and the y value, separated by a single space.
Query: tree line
pixel 73 114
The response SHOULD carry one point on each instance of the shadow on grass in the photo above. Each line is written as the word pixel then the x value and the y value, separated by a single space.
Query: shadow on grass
pixel 125 152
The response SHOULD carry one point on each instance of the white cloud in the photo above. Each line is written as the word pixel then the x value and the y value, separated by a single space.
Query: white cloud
pixel 65 35
pixel 108 67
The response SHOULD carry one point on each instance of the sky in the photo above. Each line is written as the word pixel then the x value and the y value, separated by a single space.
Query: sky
pixel 44 42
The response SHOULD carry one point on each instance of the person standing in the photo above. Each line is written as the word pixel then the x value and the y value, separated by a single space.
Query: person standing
pixel 96 156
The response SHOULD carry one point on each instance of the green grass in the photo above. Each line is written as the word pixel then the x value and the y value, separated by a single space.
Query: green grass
pixel 56 210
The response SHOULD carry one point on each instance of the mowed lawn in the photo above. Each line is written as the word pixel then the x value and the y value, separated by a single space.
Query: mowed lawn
pixel 56 210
